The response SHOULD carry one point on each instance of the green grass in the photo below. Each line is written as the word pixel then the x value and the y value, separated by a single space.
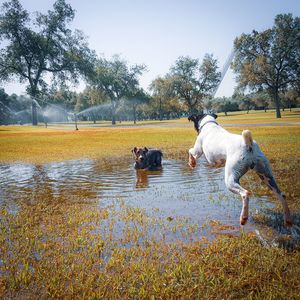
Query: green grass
pixel 66 247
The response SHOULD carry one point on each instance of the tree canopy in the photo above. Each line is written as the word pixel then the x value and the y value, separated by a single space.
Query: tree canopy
pixel 193 81
pixel 34 47
pixel 270 59
pixel 117 81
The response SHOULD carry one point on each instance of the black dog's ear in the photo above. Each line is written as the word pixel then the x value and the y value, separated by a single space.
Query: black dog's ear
pixel 214 115
pixel 146 149
pixel 134 150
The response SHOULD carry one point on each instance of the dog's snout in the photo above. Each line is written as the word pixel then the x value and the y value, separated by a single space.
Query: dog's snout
pixel 141 158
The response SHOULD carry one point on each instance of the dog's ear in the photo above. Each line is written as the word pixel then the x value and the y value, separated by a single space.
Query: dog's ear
pixel 145 149
pixel 134 150
pixel 214 115
pixel 192 118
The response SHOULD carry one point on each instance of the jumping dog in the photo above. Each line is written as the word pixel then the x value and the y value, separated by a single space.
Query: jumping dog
pixel 239 153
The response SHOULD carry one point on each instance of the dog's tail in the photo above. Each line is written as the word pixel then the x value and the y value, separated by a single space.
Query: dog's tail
pixel 247 136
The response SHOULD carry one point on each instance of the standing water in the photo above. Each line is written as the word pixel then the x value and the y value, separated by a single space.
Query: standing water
pixel 197 195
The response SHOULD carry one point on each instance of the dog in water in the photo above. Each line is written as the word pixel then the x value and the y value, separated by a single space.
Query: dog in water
pixel 239 153
pixel 147 159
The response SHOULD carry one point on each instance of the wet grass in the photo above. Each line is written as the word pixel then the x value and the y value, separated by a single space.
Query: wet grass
pixel 69 247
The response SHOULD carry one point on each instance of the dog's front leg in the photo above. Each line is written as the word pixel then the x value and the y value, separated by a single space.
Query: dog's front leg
pixel 192 161
pixel 193 155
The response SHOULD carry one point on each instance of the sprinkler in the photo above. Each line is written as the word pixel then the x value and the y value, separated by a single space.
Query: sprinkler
pixel 75 118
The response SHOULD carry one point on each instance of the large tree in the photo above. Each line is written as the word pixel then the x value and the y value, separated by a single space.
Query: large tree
pixel 44 44
pixel 117 81
pixel 193 81
pixel 270 59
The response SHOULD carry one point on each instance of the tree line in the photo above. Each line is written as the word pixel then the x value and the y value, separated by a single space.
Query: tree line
pixel 34 47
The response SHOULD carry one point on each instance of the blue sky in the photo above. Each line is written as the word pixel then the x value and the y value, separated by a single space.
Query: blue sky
pixel 157 32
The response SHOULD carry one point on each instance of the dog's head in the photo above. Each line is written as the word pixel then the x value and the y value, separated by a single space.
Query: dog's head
pixel 197 118
pixel 139 156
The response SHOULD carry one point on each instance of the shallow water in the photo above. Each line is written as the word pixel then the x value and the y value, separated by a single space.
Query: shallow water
pixel 198 195
pixel 176 190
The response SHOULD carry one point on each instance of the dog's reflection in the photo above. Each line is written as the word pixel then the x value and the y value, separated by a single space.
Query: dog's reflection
pixel 142 177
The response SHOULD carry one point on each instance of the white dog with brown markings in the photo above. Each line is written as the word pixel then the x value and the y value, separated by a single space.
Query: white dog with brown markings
pixel 239 153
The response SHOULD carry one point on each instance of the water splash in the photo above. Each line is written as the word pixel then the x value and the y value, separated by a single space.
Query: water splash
pixel 102 108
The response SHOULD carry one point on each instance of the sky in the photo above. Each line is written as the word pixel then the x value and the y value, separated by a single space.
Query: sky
pixel 157 32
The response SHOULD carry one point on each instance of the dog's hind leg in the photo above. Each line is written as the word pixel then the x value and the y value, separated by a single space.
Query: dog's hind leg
pixel 264 172
pixel 233 184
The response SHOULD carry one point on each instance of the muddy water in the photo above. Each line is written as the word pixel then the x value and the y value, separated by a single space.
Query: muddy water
pixel 198 195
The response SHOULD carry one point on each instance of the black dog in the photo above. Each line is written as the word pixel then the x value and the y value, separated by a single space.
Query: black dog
pixel 147 159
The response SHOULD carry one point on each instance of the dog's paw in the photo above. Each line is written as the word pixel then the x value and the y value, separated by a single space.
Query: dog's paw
pixel 192 162
pixel 243 220
pixel 288 222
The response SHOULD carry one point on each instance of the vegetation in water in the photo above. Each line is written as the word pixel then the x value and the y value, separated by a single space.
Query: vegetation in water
pixel 69 247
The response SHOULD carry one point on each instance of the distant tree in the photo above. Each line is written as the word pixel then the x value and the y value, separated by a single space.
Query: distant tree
pixel 82 102
pixel 137 98
pixel 41 45
pixel 116 80
pixel 225 105
pixel 291 98
pixel 244 101
pixel 270 59
pixel 5 111
pixel 62 96
pixel 261 99
pixel 4 98
pixel 193 81
pixel 162 92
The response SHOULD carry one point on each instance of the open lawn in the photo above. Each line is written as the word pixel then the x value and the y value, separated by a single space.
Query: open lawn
pixel 52 248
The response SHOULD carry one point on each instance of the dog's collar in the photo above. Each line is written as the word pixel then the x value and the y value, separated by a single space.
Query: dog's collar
pixel 210 121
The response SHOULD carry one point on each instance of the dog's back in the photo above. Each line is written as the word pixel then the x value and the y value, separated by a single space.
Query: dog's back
pixel 154 158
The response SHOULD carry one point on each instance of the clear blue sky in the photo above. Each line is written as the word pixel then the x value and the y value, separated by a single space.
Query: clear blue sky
pixel 157 32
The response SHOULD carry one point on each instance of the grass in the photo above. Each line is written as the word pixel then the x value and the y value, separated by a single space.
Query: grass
pixel 68 247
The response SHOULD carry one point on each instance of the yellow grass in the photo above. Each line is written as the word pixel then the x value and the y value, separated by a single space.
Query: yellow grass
pixel 56 247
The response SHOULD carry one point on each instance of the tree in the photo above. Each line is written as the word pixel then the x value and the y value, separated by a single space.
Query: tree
pixel 162 91
pixel 225 105
pixel 135 100
pixel 291 98
pixel 193 81
pixel 116 80
pixel 270 59
pixel 5 111
pixel 43 45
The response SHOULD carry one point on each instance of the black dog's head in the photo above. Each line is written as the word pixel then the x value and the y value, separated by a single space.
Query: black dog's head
pixel 140 157
pixel 197 118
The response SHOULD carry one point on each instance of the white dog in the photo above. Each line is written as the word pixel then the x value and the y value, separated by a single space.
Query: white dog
pixel 239 153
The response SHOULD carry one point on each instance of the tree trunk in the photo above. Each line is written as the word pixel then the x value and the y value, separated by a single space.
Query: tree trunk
pixel 113 113
pixel 134 114
pixel 34 113
pixel 160 108
pixel 113 119
pixel 277 103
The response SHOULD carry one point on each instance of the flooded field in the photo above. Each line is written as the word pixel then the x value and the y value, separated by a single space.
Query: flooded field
pixel 198 197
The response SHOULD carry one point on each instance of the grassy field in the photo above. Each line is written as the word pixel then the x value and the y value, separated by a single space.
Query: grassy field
pixel 52 248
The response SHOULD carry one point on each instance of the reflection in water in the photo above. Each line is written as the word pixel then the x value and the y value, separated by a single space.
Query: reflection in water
pixel 175 191
pixel 142 177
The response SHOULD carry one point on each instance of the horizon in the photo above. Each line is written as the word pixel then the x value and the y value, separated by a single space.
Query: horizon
pixel 156 33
